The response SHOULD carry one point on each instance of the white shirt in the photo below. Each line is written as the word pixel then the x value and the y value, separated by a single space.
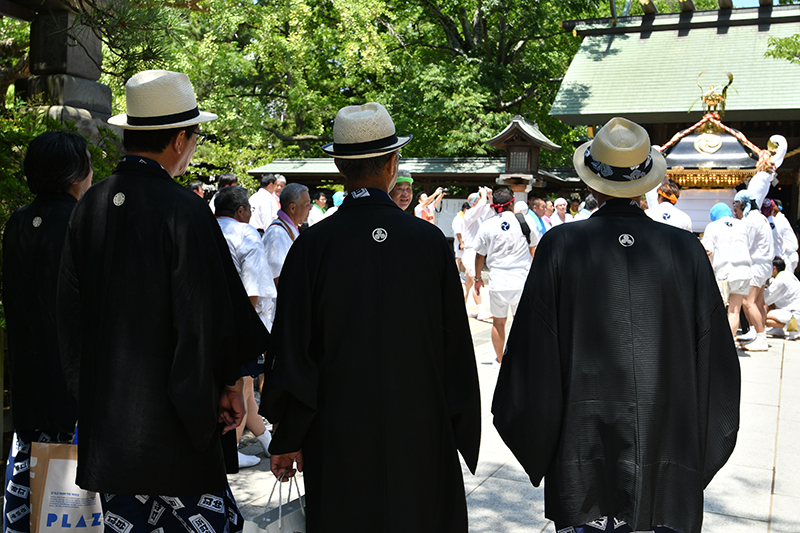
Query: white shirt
pixel 533 223
pixel 759 236
pixel 457 227
pixel 785 238
pixel 783 291
pixel 583 214
pixel 277 243
pixel 473 217
pixel 247 252
pixel 315 215
pixel 555 220
pixel 264 209
pixel 726 239
pixel 276 246
pixel 668 214
pixel 507 252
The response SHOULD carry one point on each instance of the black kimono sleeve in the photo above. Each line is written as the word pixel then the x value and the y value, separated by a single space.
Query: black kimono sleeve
pixel 291 371
pixel 718 376
pixel 528 399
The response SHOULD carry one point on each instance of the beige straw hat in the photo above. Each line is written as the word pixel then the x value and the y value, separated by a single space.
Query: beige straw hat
pixel 363 131
pixel 619 161
pixel 158 100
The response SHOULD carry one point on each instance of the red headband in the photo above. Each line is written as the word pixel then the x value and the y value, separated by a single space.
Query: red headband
pixel 502 207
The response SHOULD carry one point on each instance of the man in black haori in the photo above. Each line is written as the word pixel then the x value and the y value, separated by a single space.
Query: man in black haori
pixel 154 325
pixel 620 383
pixel 59 170
pixel 374 392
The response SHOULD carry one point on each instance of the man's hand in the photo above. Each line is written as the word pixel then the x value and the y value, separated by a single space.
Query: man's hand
pixel 478 285
pixel 231 406
pixel 282 464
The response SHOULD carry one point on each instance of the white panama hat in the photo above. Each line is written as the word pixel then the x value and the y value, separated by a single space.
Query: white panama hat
pixel 619 161
pixel 158 100
pixel 362 131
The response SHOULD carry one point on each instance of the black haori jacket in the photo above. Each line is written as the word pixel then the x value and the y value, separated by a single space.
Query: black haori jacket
pixel 372 371
pixel 620 384
pixel 153 321
pixel 32 243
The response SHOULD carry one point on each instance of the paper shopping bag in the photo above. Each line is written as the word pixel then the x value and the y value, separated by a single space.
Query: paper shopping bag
pixel 57 503
pixel 289 517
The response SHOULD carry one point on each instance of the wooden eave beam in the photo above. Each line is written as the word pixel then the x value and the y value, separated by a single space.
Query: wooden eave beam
pixel 726 4
pixel 648 7
pixel 16 11
pixel 687 5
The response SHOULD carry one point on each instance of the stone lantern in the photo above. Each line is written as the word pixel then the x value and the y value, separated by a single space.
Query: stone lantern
pixel 522 140
pixel 65 62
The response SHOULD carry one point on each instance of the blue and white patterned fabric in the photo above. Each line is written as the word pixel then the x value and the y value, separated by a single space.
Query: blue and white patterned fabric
pixel 606 525
pixel 17 502
pixel 206 513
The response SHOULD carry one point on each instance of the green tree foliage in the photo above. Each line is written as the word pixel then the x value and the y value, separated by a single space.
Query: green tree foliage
pixel 787 48
pixel 14 44
pixel 452 73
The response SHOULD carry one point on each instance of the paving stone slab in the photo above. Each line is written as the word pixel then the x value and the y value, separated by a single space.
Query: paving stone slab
pixel 754 449
pixel 740 491
pixel 785 514
pixel 790 409
pixel 717 523
pixel 488 465
pixel 760 393
pixel 787 473
pixel 755 373
pixel 505 506
pixel 788 436
pixel 513 471
pixel 758 417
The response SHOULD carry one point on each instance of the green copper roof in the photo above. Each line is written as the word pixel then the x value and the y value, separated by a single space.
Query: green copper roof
pixel 529 129
pixel 415 165
pixel 446 169
pixel 646 68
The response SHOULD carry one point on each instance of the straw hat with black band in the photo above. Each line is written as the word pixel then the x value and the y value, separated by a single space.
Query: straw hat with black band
pixel 159 100
pixel 364 131
pixel 619 162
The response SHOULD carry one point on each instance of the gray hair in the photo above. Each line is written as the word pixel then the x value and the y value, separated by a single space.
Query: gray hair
pixel 229 200
pixel 291 195
pixel 279 178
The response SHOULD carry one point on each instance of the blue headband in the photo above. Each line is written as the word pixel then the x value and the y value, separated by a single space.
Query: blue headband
pixel 720 210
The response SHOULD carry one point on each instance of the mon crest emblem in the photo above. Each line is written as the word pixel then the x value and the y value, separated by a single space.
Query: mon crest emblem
pixel 379 234
pixel 626 240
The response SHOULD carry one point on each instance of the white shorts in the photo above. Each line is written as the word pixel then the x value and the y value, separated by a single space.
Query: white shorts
pixel 759 274
pixel 469 261
pixel 739 286
pixel 784 315
pixel 457 249
pixel 501 301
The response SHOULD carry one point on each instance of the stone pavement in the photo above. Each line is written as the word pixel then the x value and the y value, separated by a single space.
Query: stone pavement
pixel 757 491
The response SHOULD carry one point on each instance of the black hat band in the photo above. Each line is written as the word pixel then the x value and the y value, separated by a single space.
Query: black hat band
pixel 358 148
pixel 164 119
pixel 622 174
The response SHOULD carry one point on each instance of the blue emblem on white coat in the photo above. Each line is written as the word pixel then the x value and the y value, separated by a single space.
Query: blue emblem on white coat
pixel 626 240
pixel 505 226
pixel 379 234
pixel 666 216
